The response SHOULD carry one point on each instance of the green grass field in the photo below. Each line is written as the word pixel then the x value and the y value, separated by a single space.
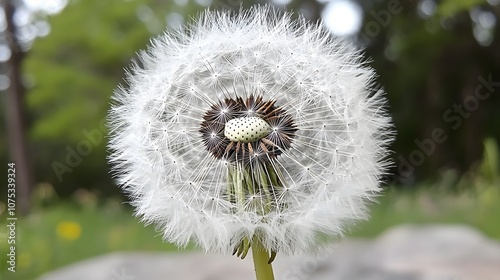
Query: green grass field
pixel 52 237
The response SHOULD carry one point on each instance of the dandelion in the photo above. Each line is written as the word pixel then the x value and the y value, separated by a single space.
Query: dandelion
pixel 249 131
pixel 69 230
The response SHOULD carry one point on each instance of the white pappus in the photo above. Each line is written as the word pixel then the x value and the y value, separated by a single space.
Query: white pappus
pixel 316 159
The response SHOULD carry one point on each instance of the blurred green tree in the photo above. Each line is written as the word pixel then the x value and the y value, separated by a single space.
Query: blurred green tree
pixel 20 178
pixel 432 56
pixel 71 74
pixel 429 56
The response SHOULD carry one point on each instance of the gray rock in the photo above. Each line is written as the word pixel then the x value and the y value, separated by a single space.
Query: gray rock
pixel 408 252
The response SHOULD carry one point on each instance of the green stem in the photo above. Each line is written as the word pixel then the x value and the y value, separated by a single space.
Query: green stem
pixel 238 190
pixel 263 270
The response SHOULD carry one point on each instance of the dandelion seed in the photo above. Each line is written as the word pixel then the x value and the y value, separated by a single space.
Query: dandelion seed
pixel 249 130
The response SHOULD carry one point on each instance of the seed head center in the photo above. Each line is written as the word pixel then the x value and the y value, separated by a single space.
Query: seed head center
pixel 246 129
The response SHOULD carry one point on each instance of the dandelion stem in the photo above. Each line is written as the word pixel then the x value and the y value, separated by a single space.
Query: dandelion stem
pixel 265 187
pixel 238 189
pixel 263 269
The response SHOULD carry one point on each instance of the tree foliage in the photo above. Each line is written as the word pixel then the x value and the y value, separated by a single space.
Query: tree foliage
pixel 426 62
pixel 431 66
pixel 72 73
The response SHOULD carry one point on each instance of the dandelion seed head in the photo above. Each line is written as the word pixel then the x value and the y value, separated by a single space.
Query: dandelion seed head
pixel 315 155
pixel 246 129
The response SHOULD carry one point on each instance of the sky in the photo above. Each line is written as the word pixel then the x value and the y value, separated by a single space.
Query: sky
pixel 341 17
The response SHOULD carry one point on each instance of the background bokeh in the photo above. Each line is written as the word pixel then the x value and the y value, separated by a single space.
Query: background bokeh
pixel 439 62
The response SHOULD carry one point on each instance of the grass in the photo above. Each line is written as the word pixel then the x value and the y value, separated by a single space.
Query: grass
pixel 479 208
pixel 66 233
pixel 55 236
